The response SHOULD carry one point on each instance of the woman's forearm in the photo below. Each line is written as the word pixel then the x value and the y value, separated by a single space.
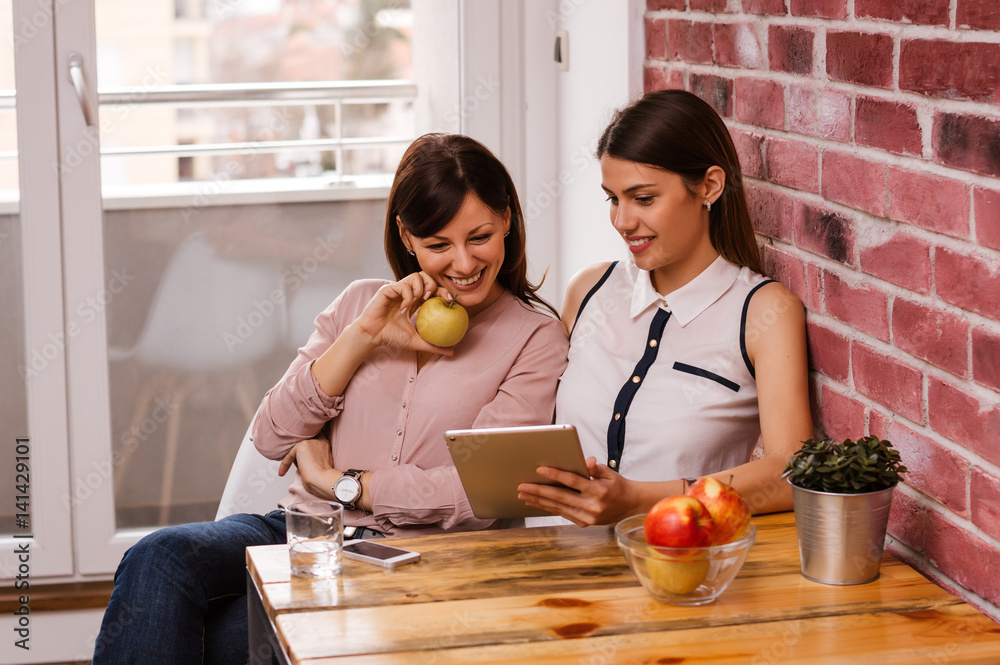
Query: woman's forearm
pixel 759 482
pixel 335 368
pixel 645 494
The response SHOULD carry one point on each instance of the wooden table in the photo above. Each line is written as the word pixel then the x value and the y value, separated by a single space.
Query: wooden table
pixel 566 595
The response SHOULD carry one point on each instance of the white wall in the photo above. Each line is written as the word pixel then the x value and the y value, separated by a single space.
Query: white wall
pixel 541 148
pixel 607 48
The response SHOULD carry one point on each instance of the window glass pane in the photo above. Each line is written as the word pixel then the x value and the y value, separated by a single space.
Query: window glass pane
pixel 143 47
pixel 204 315
pixel 208 303
pixel 13 394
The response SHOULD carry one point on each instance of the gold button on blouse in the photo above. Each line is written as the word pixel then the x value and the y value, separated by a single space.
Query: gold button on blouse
pixel 636 379
pixel 612 464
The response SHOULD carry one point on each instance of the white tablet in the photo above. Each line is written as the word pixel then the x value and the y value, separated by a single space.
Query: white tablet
pixel 493 462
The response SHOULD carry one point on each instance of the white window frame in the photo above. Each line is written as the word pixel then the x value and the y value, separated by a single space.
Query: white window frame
pixel 51 553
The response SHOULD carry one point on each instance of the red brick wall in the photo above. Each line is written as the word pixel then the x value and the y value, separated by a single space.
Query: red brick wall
pixel 870 134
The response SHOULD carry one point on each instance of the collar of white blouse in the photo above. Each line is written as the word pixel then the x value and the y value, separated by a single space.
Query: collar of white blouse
pixel 687 302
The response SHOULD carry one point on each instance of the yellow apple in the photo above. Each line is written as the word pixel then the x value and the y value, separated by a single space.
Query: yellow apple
pixel 677 576
pixel 442 323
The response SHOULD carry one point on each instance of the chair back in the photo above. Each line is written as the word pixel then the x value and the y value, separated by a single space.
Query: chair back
pixel 254 485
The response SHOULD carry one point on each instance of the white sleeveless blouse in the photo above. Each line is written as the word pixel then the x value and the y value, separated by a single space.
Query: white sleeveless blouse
pixel 660 387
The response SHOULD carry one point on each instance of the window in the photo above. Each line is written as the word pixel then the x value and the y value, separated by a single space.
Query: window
pixel 252 91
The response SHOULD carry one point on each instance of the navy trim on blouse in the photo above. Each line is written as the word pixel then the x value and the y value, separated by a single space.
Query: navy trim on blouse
pixel 583 303
pixel 743 327
pixel 712 376
pixel 616 429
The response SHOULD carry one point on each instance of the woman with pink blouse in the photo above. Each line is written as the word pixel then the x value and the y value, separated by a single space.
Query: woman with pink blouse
pixel 360 415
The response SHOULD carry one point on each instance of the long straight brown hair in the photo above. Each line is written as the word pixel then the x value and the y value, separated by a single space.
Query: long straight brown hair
pixel 434 176
pixel 676 131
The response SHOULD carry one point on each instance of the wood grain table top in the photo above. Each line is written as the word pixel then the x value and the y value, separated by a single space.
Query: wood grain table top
pixel 566 595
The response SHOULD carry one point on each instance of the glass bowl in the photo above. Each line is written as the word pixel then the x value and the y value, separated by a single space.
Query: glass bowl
pixel 682 575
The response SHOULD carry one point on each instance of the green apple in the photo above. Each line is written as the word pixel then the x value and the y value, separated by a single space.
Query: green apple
pixel 442 323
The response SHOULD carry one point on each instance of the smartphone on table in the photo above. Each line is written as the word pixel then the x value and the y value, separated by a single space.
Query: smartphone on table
pixel 379 554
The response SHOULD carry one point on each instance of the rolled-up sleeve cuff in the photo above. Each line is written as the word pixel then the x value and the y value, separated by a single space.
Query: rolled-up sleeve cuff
pixel 406 496
pixel 320 402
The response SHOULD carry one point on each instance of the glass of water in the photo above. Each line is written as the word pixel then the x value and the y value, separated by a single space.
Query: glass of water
pixel 315 538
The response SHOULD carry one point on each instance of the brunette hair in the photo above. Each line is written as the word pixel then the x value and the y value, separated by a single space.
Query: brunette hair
pixel 434 176
pixel 676 131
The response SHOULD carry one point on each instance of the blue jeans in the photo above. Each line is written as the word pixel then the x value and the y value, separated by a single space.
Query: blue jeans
pixel 180 594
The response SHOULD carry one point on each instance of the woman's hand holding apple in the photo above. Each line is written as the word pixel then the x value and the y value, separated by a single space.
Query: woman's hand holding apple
pixel 386 320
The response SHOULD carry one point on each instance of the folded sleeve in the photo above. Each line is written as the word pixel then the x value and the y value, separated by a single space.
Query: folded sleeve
pixel 408 495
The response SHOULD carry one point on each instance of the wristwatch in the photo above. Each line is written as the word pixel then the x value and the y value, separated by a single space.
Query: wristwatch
pixel 347 489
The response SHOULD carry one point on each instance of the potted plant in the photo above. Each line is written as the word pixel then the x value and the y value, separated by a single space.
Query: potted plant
pixel 841 494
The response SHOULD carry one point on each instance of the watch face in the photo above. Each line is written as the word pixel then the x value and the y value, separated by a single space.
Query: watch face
pixel 347 489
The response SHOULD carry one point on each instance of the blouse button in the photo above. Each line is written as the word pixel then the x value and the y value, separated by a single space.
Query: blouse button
pixel 612 464
pixel 636 379
pixel 652 342
pixel 411 379
pixel 394 458
pixel 618 416
pixel 404 405
pixel 399 432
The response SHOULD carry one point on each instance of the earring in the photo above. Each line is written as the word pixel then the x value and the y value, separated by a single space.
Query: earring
pixel 708 205
pixel 411 252
pixel 506 234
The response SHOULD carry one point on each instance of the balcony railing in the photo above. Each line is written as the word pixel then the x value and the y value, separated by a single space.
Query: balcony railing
pixel 322 93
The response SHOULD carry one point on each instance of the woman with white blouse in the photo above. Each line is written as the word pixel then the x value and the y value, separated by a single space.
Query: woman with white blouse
pixel 684 357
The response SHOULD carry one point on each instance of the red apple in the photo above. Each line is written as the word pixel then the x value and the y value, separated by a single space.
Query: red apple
pixel 730 512
pixel 679 521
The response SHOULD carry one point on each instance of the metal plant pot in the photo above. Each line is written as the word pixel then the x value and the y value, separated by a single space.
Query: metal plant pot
pixel 841 536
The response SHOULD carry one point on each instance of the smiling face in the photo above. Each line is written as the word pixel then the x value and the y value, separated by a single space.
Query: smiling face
pixel 466 255
pixel 663 223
